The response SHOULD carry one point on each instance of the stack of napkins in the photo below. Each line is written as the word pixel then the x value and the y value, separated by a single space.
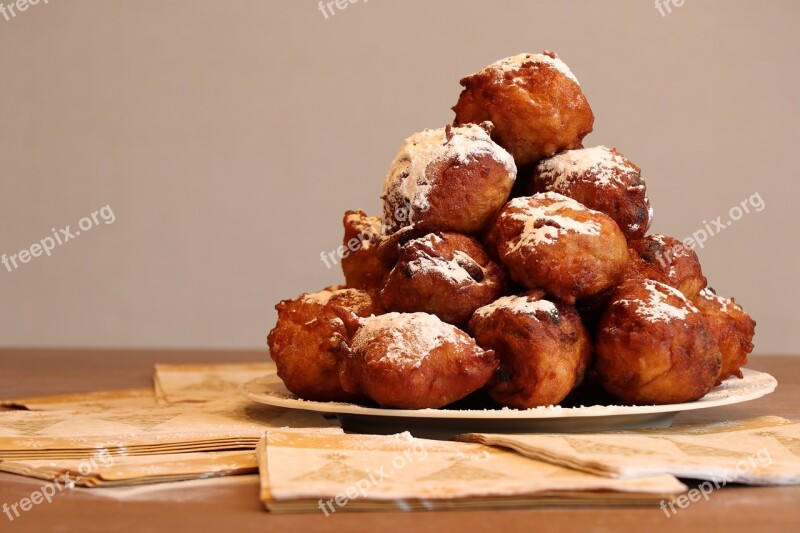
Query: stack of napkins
pixel 757 451
pixel 126 437
pixel 86 401
pixel 212 426
pixel 329 473
pixel 104 470
pixel 203 383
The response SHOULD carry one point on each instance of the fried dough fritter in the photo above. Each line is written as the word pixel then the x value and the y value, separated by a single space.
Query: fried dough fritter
pixel 601 179
pixel 449 179
pixel 361 265
pixel 304 341
pixel 667 260
pixel 542 346
pixel 413 361
pixel 653 346
pixel 534 102
pixel 445 274
pixel 731 327
pixel 552 242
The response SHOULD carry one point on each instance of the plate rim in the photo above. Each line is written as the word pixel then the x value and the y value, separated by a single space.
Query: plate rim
pixel 540 413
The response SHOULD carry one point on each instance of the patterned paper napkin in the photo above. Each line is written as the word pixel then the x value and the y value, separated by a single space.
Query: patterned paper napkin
pixel 105 470
pixel 327 473
pixel 757 451
pixel 203 383
pixel 219 425
pixel 86 401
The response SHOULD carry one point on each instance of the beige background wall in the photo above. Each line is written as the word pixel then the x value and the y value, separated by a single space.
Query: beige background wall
pixel 229 137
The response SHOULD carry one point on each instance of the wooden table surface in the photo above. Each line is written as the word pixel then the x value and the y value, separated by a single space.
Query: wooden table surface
pixel 234 506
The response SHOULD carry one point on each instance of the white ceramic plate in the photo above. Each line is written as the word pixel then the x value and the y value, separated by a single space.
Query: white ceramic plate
pixel 270 390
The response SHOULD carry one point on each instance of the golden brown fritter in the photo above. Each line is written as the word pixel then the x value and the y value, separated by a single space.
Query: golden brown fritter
pixel 413 361
pixel 361 265
pixel 601 179
pixel 534 102
pixel 449 179
pixel 552 242
pixel 445 274
pixel 653 346
pixel 303 343
pixel 667 260
pixel 542 346
pixel 731 327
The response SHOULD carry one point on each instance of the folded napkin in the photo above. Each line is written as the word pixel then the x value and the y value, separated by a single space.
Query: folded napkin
pixel 203 383
pixel 105 470
pixel 327 473
pixel 171 384
pixel 757 451
pixel 86 401
pixel 212 426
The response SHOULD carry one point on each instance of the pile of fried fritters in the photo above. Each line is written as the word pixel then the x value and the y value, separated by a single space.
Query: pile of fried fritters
pixel 511 266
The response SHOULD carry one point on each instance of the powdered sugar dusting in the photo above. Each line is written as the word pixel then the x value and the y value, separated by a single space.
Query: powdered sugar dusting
pixel 601 162
pixel 514 63
pixel 724 303
pixel 407 182
pixel 657 308
pixel 523 305
pixel 676 249
pixel 412 336
pixel 427 261
pixel 543 224
pixel 323 297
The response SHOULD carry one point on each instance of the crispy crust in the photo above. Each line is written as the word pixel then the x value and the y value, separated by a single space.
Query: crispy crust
pixel 575 265
pixel 361 265
pixel 537 111
pixel 436 376
pixel 466 182
pixel 622 195
pixel 645 360
pixel 445 274
pixel 665 259
pixel 543 354
pixel 732 328
pixel 303 343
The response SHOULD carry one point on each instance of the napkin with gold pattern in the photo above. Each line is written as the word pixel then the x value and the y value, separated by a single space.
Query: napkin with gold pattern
pixel 215 426
pixel 203 383
pixel 105 470
pixel 328 473
pixel 86 401
pixel 757 451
